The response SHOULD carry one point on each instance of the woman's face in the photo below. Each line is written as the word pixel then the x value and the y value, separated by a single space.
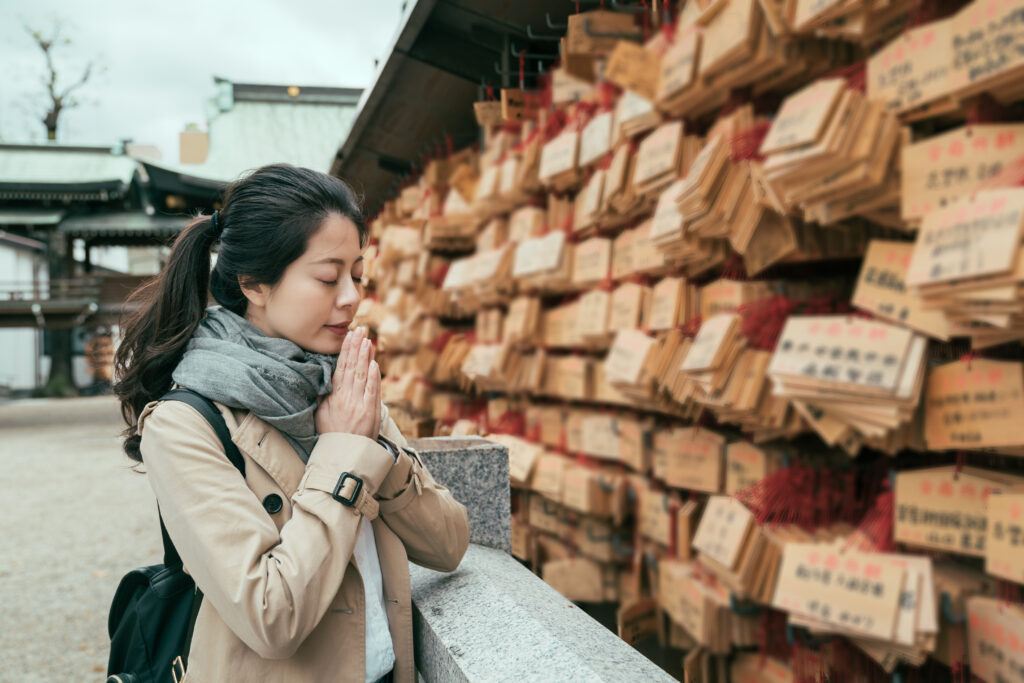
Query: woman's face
pixel 317 297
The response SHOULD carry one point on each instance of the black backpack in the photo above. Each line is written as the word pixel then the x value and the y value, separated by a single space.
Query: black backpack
pixel 154 609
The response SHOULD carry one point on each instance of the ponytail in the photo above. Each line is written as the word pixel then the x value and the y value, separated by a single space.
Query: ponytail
pixel 159 319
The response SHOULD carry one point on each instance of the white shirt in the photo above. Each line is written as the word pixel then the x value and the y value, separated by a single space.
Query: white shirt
pixel 380 651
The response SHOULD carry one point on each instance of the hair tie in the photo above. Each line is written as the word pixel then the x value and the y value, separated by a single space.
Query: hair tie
pixel 215 227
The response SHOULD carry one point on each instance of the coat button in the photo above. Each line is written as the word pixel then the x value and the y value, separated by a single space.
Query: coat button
pixel 272 503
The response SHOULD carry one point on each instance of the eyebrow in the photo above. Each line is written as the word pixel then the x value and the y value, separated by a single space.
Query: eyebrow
pixel 339 261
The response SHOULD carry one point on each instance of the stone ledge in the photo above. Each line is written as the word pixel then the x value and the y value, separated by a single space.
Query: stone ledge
pixel 494 620
pixel 476 472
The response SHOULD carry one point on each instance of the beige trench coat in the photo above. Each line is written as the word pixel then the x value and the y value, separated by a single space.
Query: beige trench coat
pixel 282 599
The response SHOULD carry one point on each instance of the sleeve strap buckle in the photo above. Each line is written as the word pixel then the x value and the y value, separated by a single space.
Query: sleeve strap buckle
pixel 352 484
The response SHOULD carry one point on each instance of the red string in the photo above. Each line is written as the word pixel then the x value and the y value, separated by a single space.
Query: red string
pixel 562 440
pixel 582 114
pixel 985 109
pixel 510 422
pixel 691 327
pixel 441 341
pixel 734 269
pixel 800 494
pixel 556 122
pixel 585 460
pixel 449 144
pixel 490 92
pixel 668 24
pixel 746 143
pixel 438 274
pixel 608 93
pixel 533 435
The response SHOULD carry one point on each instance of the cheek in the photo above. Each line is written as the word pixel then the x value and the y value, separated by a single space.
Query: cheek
pixel 303 305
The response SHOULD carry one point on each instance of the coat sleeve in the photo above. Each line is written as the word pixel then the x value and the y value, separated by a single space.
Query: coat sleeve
pixel 433 525
pixel 271 588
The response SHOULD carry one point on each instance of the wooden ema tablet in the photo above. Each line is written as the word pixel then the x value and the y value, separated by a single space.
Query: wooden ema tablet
pixel 973 238
pixel 580 41
pixel 942 168
pixel 695 460
pixel 855 355
pixel 853 591
pixel 711 343
pixel 728 36
pixel 983 56
pixel 558 161
pixel 723 530
pixel 678 66
pixel 658 157
pixel 569 88
pixel 628 357
pixel 994 643
pixel 882 290
pixel 596 139
pixel 632 67
pixel 974 404
pixel 634 114
pixel 803 116
pixel 935 510
pixel 1004 547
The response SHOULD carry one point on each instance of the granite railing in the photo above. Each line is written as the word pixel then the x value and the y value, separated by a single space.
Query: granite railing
pixel 492 619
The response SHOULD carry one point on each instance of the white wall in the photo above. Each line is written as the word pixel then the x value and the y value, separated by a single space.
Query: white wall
pixel 19 347
pixel 134 260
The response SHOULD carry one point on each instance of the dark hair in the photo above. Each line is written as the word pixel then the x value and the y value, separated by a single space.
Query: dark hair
pixel 264 224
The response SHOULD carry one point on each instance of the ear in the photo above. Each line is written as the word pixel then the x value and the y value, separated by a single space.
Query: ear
pixel 257 294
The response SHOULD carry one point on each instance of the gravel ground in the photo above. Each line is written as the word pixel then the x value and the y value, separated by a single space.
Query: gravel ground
pixel 76 519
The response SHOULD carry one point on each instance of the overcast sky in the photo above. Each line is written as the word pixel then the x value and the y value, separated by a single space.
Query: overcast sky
pixel 161 57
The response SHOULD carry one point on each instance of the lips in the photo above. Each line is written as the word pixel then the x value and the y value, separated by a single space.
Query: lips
pixel 339 329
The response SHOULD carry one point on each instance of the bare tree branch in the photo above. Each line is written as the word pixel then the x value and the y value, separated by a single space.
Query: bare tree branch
pixel 78 84
pixel 59 100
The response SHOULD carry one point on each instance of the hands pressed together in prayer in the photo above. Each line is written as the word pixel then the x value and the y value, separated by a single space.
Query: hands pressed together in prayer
pixel 353 406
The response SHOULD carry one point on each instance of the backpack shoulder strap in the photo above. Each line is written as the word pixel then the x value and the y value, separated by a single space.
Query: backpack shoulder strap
pixel 209 411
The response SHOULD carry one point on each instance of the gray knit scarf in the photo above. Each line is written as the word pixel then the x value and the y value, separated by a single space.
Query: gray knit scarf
pixel 231 361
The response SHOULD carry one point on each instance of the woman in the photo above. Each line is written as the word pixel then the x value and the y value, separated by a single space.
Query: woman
pixel 300 584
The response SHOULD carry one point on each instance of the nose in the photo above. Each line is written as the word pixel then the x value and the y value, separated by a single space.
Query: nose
pixel 348 296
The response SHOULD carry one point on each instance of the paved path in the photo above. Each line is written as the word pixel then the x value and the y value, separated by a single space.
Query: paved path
pixel 74 519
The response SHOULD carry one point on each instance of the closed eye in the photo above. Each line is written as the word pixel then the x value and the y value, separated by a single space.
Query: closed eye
pixel 330 283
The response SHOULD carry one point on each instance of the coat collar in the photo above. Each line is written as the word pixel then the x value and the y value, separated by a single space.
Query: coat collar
pixel 269 449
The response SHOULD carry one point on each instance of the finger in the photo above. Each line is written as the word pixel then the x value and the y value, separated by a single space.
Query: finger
pixel 372 388
pixel 376 397
pixel 362 367
pixel 353 351
pixel 339 368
